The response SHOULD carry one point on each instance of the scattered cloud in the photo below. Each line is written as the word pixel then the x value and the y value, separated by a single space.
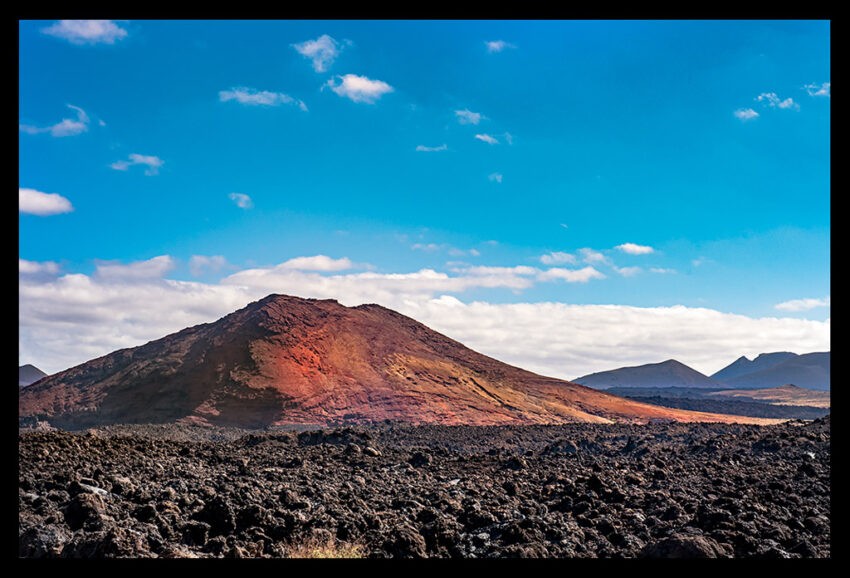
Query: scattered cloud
pixel 37 267
pixel 558 258
pixel 359 88
pixel 818 89
pixel 153 163
pixel 773 101
pixel 466 116
pixel 628 271
pixel 571 275
pixel 494 46
pixel 593 257
pixel 745 114
pixel 317 263
pixel 426 247
pixel 242 200
pixel 487 138
pixel 201 264
pixel 661 270
pixel 427 149
pixel 495 177
pixel 635 249
pixel 802 304
pixel 154 268
pixel 86 31
pixel 65 127
pixel 455 252
pixel 700 261
pixel 254 97
pixel 72 318
pixel 35 202
pixel 565 226
pixel 322 51
pixel 509 138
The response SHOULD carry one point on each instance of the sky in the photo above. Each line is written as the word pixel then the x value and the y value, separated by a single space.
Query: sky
pixel 566 196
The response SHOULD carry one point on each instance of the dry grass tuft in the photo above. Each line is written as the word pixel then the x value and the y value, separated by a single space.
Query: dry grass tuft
pixel 328 549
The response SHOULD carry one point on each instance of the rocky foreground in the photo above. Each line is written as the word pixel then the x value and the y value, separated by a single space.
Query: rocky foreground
pixel 665 490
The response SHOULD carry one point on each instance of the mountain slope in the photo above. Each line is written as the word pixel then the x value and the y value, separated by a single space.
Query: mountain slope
pixel 670 373
pixel 289 360
pixel 743 366
pixel 28 374
pixel 811 370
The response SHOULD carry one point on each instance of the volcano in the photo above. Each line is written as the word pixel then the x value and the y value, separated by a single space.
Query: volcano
pixel 287 360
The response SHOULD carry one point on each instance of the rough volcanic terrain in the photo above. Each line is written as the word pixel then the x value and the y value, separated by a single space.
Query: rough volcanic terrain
pixel 287 360
pixel 578 490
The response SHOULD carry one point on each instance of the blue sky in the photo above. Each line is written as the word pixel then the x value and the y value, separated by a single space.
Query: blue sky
pixel 632 164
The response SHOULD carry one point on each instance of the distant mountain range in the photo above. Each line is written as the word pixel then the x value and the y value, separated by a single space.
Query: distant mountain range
pixel 810 370
pixel 28 374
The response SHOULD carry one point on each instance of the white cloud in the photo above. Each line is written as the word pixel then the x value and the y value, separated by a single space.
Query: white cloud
pixel 426 247
pixel 37 267
pixel 745 114
pixel 494 46
pixel 558 258
pixel 153 268
pixel 818 90
pixel 254 97
pixel 509 138
pixel 427 149
pixel 571 275
pixel 635 249
pixel 65 127
pixel 802 304
pixel 593 257
pixel 487 138
pixel 316 263
pixel 455 252
pixel 153 163
pixel 86 31
pixel 495 177
pixel 466 116
pixel 242 200
pixel 73 318
pixel 42 204
pixel 200 264
pixel 322 51
pixel 359 88
pixel 661 270
pixel 772 100
pixel 628 271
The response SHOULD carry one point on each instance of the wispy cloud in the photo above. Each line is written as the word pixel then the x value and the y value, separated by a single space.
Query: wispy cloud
pixel 317 263
pixel 153 268
pixel 359 88
pixel 466 116
pixel 322 51
pixel 818 89
pixel 37 267
pixel 35 202
pixel 802 304
pixel 65 127
pixel 242 200
pixel 628 271
pixel 635 249
pixel 200 264
pixel 254 97
pixel 487 138
pixel 494 46
pixel 571 275
pixel 153 163
pixel 558 258
pixel 86 31
pixel 593 257
pixel 661 270
pixel 509 138
pixel 426 247
pixel 495 177
pixel 745 114
pixel 772 100
pixel 427 149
